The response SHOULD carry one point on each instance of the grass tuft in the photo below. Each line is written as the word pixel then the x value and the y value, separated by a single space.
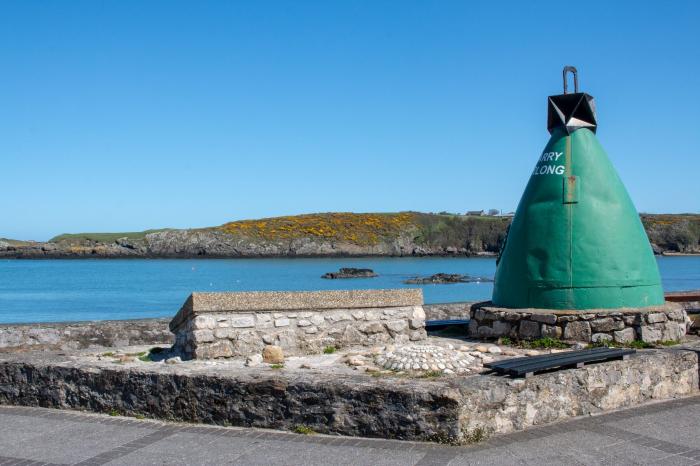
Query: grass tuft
pixel 544 343
pixel 303 430
pixel 477 435
pixel 329 350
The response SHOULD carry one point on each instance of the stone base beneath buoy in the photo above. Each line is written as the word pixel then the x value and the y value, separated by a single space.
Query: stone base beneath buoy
pixel 649 324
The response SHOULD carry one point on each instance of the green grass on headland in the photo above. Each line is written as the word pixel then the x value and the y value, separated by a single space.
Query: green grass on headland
pixel 102 237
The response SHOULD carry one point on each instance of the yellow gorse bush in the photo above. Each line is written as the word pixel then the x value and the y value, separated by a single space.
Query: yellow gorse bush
pixel 360 229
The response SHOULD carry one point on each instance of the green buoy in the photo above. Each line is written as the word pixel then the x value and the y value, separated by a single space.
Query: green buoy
pixel 576 241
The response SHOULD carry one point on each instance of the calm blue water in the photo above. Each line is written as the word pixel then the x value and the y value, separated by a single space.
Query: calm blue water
pixel 64 290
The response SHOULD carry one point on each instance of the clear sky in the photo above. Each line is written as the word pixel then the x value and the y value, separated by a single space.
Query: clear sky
pixel 126 115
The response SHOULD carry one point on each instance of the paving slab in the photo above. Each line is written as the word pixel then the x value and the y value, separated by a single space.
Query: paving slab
pixel 33 436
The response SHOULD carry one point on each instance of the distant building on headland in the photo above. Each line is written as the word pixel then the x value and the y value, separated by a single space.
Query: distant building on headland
pixel 475 213
pixel 488 213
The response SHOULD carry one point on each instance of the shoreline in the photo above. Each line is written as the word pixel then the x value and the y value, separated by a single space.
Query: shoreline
pixel 484 255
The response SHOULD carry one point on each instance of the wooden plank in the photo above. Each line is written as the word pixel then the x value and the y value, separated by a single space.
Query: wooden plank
pixel 528 359
pixel 574 360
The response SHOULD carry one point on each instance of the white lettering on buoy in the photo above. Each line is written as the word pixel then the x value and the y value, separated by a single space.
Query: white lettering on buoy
pixel 549 156
pixel 549 170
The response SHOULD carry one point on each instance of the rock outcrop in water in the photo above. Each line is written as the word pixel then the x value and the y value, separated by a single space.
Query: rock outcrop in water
pixel 327 235
pixel 445 278
pixel 350 272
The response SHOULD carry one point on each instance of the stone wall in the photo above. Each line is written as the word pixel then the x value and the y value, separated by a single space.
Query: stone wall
pixel 446 311
pixel 650 324
pixel 80 335
pixel 444 408
pixel 220 325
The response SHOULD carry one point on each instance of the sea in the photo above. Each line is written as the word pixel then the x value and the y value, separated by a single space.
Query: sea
pixel 110 289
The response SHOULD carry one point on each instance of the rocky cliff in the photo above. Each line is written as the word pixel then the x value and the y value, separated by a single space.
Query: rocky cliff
pixel 332 234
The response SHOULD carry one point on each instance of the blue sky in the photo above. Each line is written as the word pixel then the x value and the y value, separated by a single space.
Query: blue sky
pixel 126 115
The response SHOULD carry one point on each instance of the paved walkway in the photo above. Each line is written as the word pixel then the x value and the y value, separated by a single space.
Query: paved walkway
pixel 661 434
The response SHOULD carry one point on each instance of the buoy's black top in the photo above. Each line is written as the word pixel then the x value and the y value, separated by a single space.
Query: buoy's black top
pixel 571 111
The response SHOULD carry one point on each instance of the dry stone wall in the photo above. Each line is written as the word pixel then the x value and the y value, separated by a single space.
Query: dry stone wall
pixel 222 325
pixel 80 335
pixel 651 324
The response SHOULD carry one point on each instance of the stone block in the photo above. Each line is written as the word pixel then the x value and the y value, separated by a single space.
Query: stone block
pixel 282 322
pixel 529 329
pixel 417 335
pixel 218 349
pixel 651 333
pixel 673 331
pixel 224 333
pixel 203 322
pixel 311 330
pixel 484 331
pixel 512 316
pixel 223 321
pixel 303 323
pixel 286 339
pixel 415 324
pixel 397 326
pixel 606 324
pixel 632 319
pixel 358 315
pixel 551 331
pixel 351 335
pixel 203 336
pixel 273 354
pixel 677 315
pixel 501 328
pixel 656 318
pixel 244 321
pixel 624 336
pixel 339 316
pixel 371 328
pixel 483 315
pixel 418 312
pixel 601 338
pixel 263 321
pixel 578 331
pixel 317 319
pixel 549 319
pixel 473 327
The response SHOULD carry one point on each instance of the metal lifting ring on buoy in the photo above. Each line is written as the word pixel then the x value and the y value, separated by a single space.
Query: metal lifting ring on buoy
pixel 573 71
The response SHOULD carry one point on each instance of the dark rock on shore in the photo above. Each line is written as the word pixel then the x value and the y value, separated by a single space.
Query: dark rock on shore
pixel 445 278
pixel 350 272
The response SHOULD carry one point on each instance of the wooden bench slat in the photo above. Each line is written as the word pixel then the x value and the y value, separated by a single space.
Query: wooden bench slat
pixel 543 365
pixel 530 365
pixel 516 361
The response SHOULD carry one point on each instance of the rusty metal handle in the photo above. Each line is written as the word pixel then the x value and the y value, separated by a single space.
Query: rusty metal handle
pixel 572 70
